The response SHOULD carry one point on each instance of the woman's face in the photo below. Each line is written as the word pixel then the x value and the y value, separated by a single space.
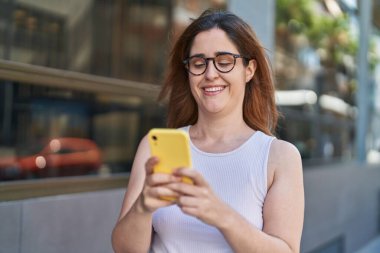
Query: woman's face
pixel 214 91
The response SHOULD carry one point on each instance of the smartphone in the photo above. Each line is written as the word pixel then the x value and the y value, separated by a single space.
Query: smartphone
pixel 172 147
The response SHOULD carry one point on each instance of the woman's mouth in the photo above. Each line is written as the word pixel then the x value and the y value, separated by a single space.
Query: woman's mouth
pixel 213 90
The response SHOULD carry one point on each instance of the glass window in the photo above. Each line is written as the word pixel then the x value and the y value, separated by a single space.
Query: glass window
pixel 61 132
pixel 315 67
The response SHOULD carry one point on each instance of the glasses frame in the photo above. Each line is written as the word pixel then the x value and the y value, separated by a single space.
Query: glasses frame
pixel 186 62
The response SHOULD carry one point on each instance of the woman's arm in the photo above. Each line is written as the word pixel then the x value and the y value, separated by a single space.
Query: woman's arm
pixel 282 212
pixel 134 227
pixel 133 230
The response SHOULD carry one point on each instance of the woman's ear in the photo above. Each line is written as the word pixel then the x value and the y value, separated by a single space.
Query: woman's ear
pixel 250 70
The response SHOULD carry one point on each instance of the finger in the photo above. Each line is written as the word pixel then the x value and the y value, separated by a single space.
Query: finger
pixel 161 191
pixel 187 201
pixel 160 179
pixel 194 175
pixel 149 165
pixel 188 189
pixel 152 204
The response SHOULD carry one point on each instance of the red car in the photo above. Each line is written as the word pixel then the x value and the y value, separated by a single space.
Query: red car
pixel 60 157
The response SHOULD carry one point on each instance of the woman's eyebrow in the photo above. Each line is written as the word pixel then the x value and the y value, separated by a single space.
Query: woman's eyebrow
pixel 222 52
pixel 197 55
pixel 216 54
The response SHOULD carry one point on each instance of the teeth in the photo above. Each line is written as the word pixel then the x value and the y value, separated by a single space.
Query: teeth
pixel 214 89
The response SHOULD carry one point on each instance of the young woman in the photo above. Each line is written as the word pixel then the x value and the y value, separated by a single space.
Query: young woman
pixel 248 186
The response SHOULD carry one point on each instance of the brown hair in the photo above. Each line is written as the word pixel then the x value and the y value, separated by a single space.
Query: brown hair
pixel 259 108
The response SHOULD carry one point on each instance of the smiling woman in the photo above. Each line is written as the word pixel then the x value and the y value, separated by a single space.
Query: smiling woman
pixel 182 106
pixel 240 172
pixel 228 84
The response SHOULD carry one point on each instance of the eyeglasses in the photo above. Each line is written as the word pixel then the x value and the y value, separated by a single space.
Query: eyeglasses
pixel 223 62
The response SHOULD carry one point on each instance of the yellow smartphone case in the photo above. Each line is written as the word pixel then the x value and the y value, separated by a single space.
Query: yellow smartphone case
pixel 172 147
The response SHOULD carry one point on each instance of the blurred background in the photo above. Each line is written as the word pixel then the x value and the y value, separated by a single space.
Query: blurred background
pixel 78 87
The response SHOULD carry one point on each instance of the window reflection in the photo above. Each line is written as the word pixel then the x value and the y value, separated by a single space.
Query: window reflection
pixel 60 157
pixel 316 44
pixel 36 37
pixel 60 132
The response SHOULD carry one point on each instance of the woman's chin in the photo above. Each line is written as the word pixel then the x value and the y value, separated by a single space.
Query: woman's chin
pixel 213 109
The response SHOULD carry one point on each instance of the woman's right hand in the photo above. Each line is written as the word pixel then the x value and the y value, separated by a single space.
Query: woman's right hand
pixel 155 186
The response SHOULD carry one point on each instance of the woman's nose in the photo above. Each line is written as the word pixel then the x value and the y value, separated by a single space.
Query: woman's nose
pixel 211 71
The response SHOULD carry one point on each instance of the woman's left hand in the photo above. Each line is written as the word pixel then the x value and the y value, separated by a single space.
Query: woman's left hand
pixel 198 199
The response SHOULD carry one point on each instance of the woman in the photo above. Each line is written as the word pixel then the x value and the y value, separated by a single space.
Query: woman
pixel 248 188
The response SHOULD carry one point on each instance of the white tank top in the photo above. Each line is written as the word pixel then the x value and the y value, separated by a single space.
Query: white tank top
pixel 238 177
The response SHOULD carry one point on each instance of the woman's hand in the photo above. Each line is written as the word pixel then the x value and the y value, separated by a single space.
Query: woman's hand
pixel 198 199
pixel 156 185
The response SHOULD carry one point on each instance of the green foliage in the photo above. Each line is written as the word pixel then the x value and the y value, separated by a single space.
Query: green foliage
pixel 374 57
pixel 323 31
pixel 296 14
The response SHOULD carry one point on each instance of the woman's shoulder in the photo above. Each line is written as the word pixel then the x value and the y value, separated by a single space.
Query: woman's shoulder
pixel 284 155
pixel 283 148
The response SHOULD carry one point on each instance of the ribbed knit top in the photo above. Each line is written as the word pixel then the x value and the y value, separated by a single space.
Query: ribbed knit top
pixel 238 177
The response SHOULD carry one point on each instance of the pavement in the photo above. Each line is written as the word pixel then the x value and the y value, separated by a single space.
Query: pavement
pixel 372 247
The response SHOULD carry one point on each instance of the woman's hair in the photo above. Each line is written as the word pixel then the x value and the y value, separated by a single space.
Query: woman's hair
pixel 259 108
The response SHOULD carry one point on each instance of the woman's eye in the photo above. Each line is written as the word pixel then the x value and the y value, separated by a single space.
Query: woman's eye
pixel 198 64
pixel 224 60
pixel 224 63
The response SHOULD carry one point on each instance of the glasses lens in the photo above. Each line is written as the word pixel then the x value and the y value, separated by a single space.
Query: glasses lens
pixel 197 65
pixel 224 62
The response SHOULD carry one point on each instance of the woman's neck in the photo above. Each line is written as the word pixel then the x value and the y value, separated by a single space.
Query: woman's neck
pixel 221 121
pixel 219 136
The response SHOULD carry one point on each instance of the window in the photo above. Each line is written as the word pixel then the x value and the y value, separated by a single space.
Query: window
pixel 316 45
pixel 56 131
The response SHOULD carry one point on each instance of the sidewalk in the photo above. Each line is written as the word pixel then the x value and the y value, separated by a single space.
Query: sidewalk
pixel 372 247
